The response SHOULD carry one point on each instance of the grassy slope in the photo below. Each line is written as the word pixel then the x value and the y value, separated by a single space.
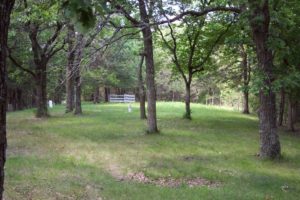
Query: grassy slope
pixel 67 157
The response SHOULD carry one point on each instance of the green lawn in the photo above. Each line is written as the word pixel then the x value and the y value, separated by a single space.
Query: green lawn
pixel 68 157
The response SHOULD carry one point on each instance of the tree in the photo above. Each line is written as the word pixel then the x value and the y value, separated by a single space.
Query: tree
pixel 191 47
pixel 70 69
pixel 6 7
pixel 150 71
pixel 286 42
pixel 259 23
pixel 144 24
pixel 77 75
pixel 142 95
pixel 43 46
pixel 246 78
pixel 78 42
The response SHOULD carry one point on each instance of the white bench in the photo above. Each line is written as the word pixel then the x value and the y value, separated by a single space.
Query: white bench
pixel 125 98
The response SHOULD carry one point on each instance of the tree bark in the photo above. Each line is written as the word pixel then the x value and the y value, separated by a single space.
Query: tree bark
pixel 77 78
pixel 291 114
pixel 40 61
pixel 246 102
pixel 5 11
pixel 78 109
pixel 19 97
pixel 188 101
pixel 259 22
pixel 142 93
pixel 96 96
pixel 281 107
pixel 70 70
pixel 246 79
pixel 150 71
pixel 106 94
pixel 41 91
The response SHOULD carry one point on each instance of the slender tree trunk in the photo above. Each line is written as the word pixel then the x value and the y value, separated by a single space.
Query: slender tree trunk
pixel 41 91
pixel 246 102
pixel 12 98
pixel 291 114
pixel 5 10
pixel 259 21
pixel 33 98
pixel 77 78
pixel 19 97
pixel 245 79
pixel 78 109
pixel 188 101
pixel 106 94
pixel 150 72
pixel 142 93
pixel 70 70
pixel 281 107
pixel 96 95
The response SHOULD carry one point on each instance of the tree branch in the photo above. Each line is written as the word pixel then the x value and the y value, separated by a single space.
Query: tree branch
pixel 53 37
pixel 200 66
pixel 122 10
pixel 17 64
pixel 199 13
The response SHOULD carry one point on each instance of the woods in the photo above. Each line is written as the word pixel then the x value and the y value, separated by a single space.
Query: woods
pixel 242 55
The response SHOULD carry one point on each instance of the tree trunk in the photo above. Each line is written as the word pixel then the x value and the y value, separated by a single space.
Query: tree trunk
pixel 13 101
pixel 246 79
pixel 33 98
pixel 187 101
pixel 41 91
pixel 96 95
pixel 150 72
pixel 107 92
pixel 70 70
pixel 78 59
pixel 5 10
pixel 259 21
pixel 246 102
pixel 78 109
pixel 142 93
pixel 40 62
pixel 281 107
pixel 19 97
pixel 291 114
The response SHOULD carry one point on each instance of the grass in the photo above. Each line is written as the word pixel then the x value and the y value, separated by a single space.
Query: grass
pixel 69 157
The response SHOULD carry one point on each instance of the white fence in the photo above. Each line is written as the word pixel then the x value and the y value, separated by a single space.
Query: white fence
pixel 125 98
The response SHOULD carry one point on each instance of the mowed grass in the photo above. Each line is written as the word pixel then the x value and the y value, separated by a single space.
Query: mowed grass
pixel 79 157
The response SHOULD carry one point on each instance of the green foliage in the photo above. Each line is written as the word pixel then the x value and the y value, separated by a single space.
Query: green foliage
pixel 81 13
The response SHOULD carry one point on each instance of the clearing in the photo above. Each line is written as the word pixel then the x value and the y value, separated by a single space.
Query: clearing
pixel 105 154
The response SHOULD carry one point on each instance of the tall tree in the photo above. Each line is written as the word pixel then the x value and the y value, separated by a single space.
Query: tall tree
pixel 41 57
pixel 259 23
pixel 191 47
pixel 145 11
pixel 43 46
pixel 142 95
pixel 77 75
pixel 150 71
pixel 6 7
pixel 70 69
pixel 246 78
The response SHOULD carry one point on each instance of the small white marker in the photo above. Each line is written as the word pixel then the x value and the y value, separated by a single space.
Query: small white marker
pixel 50 104
pixel 129 108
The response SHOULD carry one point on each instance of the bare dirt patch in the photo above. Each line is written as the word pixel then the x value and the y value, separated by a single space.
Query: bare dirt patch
pixel 171 182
